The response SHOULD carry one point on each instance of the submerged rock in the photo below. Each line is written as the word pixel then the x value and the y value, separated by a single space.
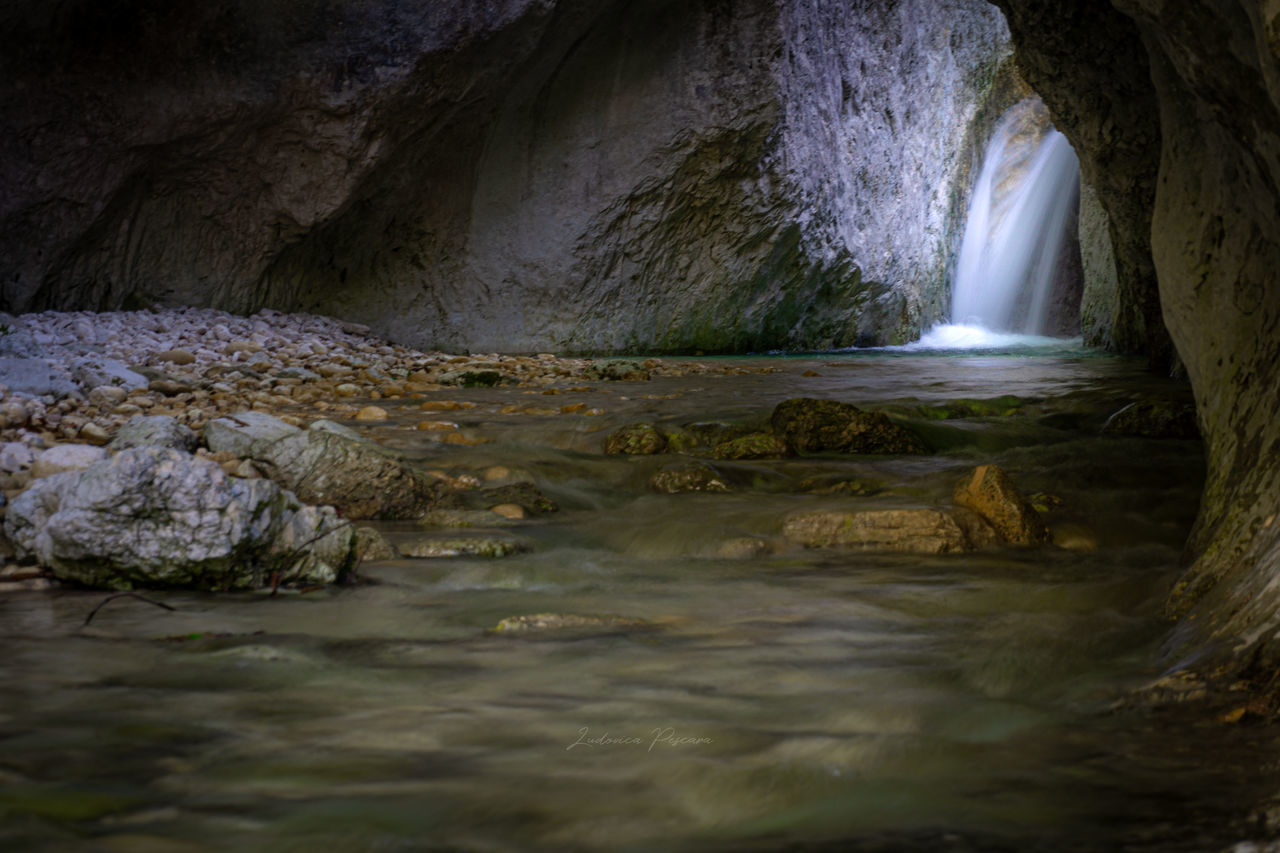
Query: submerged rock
pixel 525 495
pixel 757 445
pixel 552 622
pixel 912 531
pixel 154 431
pixel 463 546
pixel 372 545
pixel 816 426
pixel 1155 419
pixel 636 440
pixel 990 493
pixel 155 517
pixel 328 464
pixel 693 477
pixel 617 370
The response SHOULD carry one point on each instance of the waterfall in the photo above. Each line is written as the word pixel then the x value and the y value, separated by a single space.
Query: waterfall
pixel 1021 207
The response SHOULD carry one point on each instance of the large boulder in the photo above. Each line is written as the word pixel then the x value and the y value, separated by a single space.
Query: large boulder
pixel 990 493
pixel 328 464
pixel 814 426
pixel 156 517
pixel 911 531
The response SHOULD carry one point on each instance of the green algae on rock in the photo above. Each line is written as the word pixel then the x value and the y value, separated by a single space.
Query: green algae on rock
pixel 814 426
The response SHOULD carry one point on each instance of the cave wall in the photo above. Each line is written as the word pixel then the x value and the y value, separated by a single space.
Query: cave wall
pixel 512 175
pixel 1086 60
pixel 1212 69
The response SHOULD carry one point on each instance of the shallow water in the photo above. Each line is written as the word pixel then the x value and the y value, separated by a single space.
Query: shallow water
pixel 797 699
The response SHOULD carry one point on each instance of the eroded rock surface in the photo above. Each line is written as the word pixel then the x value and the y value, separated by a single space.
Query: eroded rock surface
pixel 912 531
pixel 153 517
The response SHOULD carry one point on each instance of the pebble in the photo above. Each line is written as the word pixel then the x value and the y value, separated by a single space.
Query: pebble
pixel 436 426
pixel 177 356
pixel 511 511
pixel 372 413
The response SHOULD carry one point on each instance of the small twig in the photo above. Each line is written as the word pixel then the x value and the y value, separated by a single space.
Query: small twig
pixel 111 598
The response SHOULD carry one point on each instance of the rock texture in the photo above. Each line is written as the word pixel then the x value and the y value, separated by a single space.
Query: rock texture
pixel 513 175
pixel 1213 71
pixel 990 493
pixel 1106 107
pixel 160 518
pixel 912 531
pixel 328 464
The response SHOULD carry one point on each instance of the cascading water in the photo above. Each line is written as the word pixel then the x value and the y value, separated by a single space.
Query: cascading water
pixel 1020 214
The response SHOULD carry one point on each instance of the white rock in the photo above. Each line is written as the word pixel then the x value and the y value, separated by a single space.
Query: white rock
pixel 66 457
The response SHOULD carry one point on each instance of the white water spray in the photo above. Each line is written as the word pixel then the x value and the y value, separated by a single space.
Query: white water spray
pixel 1022 204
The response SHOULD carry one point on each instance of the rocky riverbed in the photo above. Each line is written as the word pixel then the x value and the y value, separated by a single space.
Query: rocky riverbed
pixel 78 389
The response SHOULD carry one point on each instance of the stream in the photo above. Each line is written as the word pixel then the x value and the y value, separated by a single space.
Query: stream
pixel 775 698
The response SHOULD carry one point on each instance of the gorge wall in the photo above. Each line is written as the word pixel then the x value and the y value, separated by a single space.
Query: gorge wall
pixel 517 175
pixel 1214 76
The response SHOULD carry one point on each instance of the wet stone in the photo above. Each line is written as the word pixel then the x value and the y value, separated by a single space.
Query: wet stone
pixel 912 531
pixel 636 440
pixel 694 477
pixel 760 445
pixel 990 493
pixel 816 426
pixel 462 546
pixel 561 622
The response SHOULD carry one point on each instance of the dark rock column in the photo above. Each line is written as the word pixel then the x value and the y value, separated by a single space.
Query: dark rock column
pixel 1087 62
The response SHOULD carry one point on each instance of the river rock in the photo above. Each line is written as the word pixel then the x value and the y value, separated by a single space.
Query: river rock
pixel 15 456
pixel 566 622
pixel 913 531
pixel 155 517
pixel 462 546
pixel 990 493
pixel 694 477
pixel 372 545
pixel 815 426
pixel 522 494
pixel 154 431
pixel 328 464
pixel 1155 419
pixel 756 445
pixel 636 440
pixel 35 378
pixel 66 457
pixel 616 370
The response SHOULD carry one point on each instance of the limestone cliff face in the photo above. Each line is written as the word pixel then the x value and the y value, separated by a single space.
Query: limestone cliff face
pixel 512 175
pixel 1213 70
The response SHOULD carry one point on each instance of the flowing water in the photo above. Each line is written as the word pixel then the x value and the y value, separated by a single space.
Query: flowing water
pixel 780 698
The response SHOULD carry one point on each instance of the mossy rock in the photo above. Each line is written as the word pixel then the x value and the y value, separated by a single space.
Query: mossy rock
pixel 1155 419
pixel 472 378
pixel 463 546
pixel 680 440
pixel 526 495
pixel 814 426
pixel 617 370
pixel 711 433
pixel 694 477
pixel 636 440
pixel 759 445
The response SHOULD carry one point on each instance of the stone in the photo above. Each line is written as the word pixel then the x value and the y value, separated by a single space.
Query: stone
pixel 471 378
pixel 523 494
pixel 66 457
pixel 14 413
pixel 372 413
pixel 371 545
pixel 154 431
pixel 16 339
pixel 990 493
pixel 693 477
pixel 35 378
pixel 154 517
pixel 977 530
pixel 93 434
pixel 759 445
pixel 1155 419
pixel 436 426
pixel 513 512
pixel 90 373
pixel 347 389
pixel 462 546
pixel 909 531
pixel 815 426
pixel 742 548
pixel 245 433
pixel 328 464
pixel 106 397
pixel 170 387
pixel 177 356
pixel 15 456
pixel 566 622
pixel 1074 537
pixel 616 370
pixel 636 440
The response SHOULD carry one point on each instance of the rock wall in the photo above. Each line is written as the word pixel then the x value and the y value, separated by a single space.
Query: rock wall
pixel 1107 109
pixel 1213 69
pixel 513 175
